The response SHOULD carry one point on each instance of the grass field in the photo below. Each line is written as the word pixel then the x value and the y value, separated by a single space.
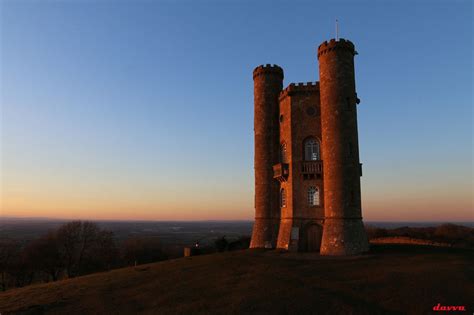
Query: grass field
pixel 390 280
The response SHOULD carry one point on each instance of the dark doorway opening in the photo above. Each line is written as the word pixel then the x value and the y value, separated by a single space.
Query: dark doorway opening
pixel 314 234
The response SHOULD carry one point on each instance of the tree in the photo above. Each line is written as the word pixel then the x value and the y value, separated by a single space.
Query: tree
pixel 45 257
pixel 9 250
pixel 102 254
pixel 83 247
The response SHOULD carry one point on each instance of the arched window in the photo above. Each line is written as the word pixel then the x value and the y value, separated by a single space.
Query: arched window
pixel 283 198
pixel 313 196
pixel 283 154
pixel 311 149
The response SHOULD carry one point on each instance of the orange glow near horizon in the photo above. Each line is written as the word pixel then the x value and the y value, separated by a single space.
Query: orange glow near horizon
pixel 136 195
pixel 125 202
pixel 134 204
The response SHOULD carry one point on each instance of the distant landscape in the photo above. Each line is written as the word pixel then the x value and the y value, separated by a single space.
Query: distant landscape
pixel 170 232
pixel 34 250
pixel 62 266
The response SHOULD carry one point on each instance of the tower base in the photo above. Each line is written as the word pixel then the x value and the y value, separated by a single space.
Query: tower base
pixel 344 237
pixel 265 233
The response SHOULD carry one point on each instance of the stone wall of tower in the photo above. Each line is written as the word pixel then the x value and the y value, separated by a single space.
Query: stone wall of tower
pixel 299 120
pixel 343 232
pixel 306 123
pixel 268 83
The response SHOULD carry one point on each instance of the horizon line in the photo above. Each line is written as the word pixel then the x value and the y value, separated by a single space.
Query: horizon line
pixel 209 220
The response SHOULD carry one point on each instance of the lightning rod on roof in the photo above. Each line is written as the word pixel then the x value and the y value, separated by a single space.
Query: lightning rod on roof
pixel 337 30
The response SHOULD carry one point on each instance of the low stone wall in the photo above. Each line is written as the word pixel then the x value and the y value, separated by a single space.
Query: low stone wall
pixel 406 240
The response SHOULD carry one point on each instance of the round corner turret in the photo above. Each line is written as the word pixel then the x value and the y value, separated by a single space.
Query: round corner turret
pixel 268 69
pixel 268 83
pixel 341 44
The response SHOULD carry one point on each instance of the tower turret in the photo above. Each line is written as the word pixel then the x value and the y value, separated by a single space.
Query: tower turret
pixel 268 83
pixel 343 232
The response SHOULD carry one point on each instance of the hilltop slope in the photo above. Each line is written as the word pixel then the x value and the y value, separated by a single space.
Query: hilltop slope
pixel 392 279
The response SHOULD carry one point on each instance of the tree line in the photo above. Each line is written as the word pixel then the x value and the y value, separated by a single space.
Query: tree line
pixel 76 248
pixel 453 234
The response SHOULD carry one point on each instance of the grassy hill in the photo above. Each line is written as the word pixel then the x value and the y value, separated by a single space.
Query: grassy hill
pixel 390 280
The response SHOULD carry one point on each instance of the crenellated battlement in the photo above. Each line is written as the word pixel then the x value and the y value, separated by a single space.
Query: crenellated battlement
pixel 341 44
pixel 301 87
pixel 268 68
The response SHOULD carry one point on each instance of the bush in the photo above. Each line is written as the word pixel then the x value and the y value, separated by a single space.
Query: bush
pixel 142 250
pixel 242 242
pixel 375 232
pixel 455 234
pixel 221 244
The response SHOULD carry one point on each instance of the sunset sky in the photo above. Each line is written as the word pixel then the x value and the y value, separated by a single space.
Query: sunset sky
pixel 144 109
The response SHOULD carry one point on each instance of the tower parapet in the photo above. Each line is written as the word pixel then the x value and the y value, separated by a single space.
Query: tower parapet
pixel 266 69
pixel 302 87
pixel 341 44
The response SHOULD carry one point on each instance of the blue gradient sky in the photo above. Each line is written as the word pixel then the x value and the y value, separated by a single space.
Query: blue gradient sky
pixel 144 110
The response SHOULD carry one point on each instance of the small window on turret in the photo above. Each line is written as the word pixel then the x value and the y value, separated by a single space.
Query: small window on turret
pixel 283 198
pixel 283 154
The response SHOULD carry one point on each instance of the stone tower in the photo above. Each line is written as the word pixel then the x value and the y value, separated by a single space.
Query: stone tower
pixel 268 82
pixel 343 232
pixel 307 170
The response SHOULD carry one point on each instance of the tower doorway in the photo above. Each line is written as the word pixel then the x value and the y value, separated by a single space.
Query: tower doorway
pixel 314 234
